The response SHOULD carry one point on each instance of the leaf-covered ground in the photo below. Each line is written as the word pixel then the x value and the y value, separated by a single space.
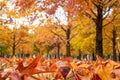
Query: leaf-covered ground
pixel 58 69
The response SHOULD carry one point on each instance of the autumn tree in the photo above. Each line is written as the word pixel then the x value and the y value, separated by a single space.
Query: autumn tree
pixel 15 37
pixel 100 10
pixel 115 32
pixel 19 37
pixel 112 33
pixel 4 47
pixel 70 9
pixel 50 6
pixel 97 10
pixel 44 40
pixel 84 42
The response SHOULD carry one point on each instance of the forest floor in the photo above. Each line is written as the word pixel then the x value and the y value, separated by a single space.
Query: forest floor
pixel 67 68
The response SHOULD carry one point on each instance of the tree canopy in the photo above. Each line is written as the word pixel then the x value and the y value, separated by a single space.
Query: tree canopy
pixel 60 26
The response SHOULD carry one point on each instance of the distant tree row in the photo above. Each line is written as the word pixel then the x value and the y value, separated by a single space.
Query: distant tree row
pixel 68 27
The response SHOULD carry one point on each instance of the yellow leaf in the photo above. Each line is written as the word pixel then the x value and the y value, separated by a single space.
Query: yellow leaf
pixel 84 66
pixel 104 71
pixel 13 59
pixel 74 66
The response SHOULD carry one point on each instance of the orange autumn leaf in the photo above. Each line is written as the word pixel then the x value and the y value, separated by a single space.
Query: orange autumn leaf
pixel 53 66
pixel 103 73
pixel 30 69
pixel 24 4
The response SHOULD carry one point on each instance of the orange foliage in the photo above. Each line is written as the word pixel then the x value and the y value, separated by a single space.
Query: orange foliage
pixel 65 68
pixel 24 4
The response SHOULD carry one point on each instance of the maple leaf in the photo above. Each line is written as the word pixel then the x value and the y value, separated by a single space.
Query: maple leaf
pixel 30 69
pixel 52 66
pixel 104 69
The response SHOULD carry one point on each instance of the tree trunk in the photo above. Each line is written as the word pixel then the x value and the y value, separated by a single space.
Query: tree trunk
pixel 48 53
pixel 79 56
pixel 114 44
pixel 13 46
pixel 68 42
pixel 119 56
pixel 2 54
pixel 119 51
pixel 93 56
pixel 58 50
pixel 99 39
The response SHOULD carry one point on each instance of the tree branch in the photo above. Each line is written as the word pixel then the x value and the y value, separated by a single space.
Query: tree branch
pixel 110 21
pixel 57 35
pixel 90 16
pixel 60 25
pixel 108 10
pixel 75 27
pixel 107 2
pixel 94 3
pixel 93 12
pixel 63 28
pixel 108 13
pixel 91 9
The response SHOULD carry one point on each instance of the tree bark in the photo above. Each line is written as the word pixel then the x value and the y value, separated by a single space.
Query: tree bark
pixel 99 39
pixel 118 51
pixel 68 42
pixel 58 50
pixel 93 56
pixel 79 56
pixel 13 46
pixel 119 56
pixel 114 44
